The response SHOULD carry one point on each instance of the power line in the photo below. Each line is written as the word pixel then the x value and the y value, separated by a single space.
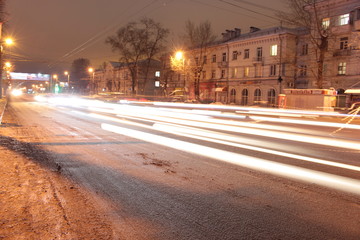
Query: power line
pixel 257 5
pixel 227 10
pixel 100 34
pixel 250 10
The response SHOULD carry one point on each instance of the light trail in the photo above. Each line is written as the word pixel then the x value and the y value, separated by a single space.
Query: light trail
pixel 236 142
pixel 307 122
pixel 210 136
pixel 258 132
pixel 236 108
pixel 238 128
pixel 297 173
pixel 206 122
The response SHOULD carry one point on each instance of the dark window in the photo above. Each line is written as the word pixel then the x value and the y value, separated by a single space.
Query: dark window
pixel 197 61
pixel 224 57
pixel 273 70
pixel 213 74
pixel 234 55
pixel 259 53
pixel 257 96
pixel 271 97
pixel 232 95
pixel 303 71
pixel 222 73
pixel 305 49
pixel 244 97
pixel 344 43
pixel 213 58
pixel 246 53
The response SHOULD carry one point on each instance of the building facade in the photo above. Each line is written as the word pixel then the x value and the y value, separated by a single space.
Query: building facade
pixel 117 77
pixel 247 69
pixel 253 68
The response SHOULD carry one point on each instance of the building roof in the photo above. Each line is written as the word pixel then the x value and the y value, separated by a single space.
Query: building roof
pixel 264 32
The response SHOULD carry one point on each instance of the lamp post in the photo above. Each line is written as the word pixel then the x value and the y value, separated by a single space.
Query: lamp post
pixel 66 73
pixel 92 73
pixel 54 78
pixel 7 41
pixel 179 56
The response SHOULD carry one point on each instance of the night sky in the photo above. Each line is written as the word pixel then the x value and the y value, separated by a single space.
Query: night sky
pixel 50 34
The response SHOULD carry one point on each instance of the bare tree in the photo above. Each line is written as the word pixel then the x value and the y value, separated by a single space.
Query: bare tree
pixel 2 10
pixel 198 39
pixel 79 71
pixel 307 14
pixel 138 42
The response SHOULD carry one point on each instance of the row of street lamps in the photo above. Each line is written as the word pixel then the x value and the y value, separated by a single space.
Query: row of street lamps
pixel 55 77
pixel 6 42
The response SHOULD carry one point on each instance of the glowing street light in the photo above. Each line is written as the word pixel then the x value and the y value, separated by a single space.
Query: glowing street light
pixel 179 55
pixel 8 65
pixel 178 63
pixel 66 73
pixel 8 42
pixel 92 72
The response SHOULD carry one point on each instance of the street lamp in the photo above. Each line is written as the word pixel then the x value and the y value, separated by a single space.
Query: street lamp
pixel 92 72
pixel 8 42
pixel 179 57
pixel 54 78
pixel 68 78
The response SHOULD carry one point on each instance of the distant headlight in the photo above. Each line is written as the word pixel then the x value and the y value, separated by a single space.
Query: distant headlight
pixel 16 92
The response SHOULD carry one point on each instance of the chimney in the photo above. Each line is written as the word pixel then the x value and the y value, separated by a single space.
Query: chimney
pixel 237 32
pixel 226 35
pixel 254 29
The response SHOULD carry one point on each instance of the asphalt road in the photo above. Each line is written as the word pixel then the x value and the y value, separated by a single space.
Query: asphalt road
pixel 160 172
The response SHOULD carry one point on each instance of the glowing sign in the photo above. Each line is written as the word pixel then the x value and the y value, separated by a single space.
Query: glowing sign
pixel 29 76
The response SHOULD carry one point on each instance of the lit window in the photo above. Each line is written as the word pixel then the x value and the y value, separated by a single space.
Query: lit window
pixel 234 72
pixel 157 74
pixel 326 23
pixel 274 49
pixel 246 71
pixel 344 19
pixel 342 68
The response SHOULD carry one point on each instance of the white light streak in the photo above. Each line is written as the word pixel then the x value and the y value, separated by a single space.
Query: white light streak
pixel 301 174
pixel 307 122
pixel 214 124
pixel 236 142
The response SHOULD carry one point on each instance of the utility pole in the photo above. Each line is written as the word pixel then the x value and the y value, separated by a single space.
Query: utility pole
pixel 1 67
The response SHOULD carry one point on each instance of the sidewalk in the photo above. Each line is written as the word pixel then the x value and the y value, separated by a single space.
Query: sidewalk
pixel 3 102
pixel 38 201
